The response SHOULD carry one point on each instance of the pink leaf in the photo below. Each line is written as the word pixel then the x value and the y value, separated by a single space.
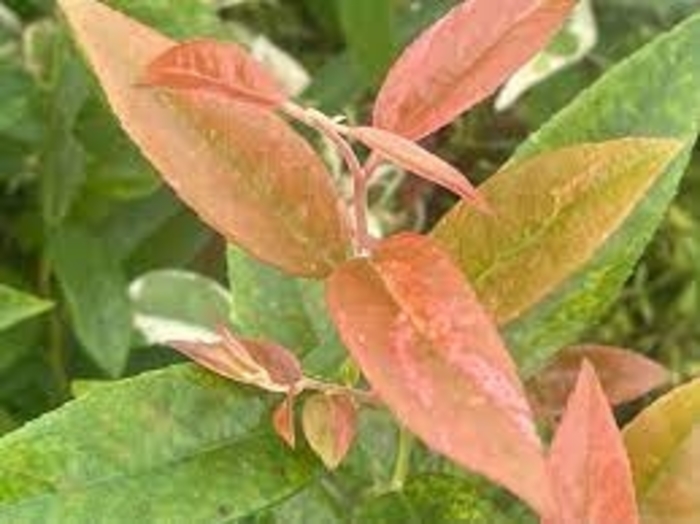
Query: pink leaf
pixel 223 68
pixel 283 421
pixel 433 355
pixel 414 158
pixel 462 59
pixel 588 463
pixel 330 424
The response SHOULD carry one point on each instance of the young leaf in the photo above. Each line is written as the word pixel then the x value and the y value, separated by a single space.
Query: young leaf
pixel 434 356
pixel 462 59
pixel 414 158
pixel 283 421
pixel 589 467
pixel 244 171
pixel 16 306
pixel 211 66
pixel 663 444
pixel 330 423
pixel 624 376
pixel 548 221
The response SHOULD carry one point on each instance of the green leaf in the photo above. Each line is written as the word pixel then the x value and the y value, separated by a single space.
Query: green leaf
pixel 663 444
pixel 16 306
pixel 654 93
pixel 183 446
pixel 95 291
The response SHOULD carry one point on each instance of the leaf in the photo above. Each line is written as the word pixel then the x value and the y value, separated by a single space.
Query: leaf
pixel 257 182
pixel 211 66
pixel 16 306
pixel 588 463
pixel 330 424
pixel 182 446
pixel 414 158
pixel 461 60
pixel 431 353
pixel 171 304
pixel 283 421
pixel 624 376
pixel 663 443
pixel 548 222
pixel 94 287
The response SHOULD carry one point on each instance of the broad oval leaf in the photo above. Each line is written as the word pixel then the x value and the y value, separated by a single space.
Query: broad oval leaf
pixel 462 59
pixel 431 352
pixel 624 376
pixel 551 214
pixel 590 471
pixel 410 156
pixel 240 167
pixel 218 67
pixel 330 424
pixel 175 445
pixel 663 444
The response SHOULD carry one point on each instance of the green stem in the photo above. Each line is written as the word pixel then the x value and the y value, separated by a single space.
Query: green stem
pixel 402 465
pixel 55 351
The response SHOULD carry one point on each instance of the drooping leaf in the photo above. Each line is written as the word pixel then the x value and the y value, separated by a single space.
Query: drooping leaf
pixel 16 306
pixel 95 290
pixel 461 60
pixel 283 421
pixel 549 220
pixel 330 423
pixel 121 453
pixel 244 171
pixel 589 468
pixel 211 66
pixel 412 157
pixel 430 351
pixel 624 376
pixel 663 444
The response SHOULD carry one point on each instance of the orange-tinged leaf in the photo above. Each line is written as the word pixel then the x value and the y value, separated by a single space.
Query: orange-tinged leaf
pixel 414 158
pixel 240 167
pixel 588 463
pixel 283 421
pixel 663 443
pixel 330 423
pixel 623 374
pixel 223 68
pixel 434 356
pixel 462 59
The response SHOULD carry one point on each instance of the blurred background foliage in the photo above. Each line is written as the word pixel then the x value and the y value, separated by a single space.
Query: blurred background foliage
pixel 84 221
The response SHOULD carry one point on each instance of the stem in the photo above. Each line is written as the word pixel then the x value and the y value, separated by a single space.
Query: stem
pixel 365 397
pixel 55 352
pixel 402 465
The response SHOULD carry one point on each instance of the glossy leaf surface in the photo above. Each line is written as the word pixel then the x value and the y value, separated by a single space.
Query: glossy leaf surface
pixel 211 66
pixel 588 462
pixel 461 60
pixel 430 351
pixel 330 423
pixel 244 171
pixel 663 444
pixel 16 306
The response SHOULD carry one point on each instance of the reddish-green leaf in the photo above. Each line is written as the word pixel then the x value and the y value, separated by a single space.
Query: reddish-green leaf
pixel 244 170
pixel 435 358
pixel 590 471
pixel 663 444
pixel 624 376
pixel 414 158
pixel 223 68
pixel 283 421
pixel 462 59
pixel 330 423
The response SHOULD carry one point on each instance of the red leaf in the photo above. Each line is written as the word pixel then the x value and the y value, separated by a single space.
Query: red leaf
pixel 588 463
pixel 624 375
pixel 240 167
pixel 414 158
pixel 462 59
pixel 223 68
pixel 283 421
pixel 330 423
pixel 433 355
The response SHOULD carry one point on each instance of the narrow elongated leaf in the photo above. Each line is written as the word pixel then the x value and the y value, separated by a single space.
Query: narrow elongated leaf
pixel 212 66
pixel 16 306
pixel 588 463
pixel 551 214
pixel 414 158
pixel 462 59
pixel 433 355
pixel 663 444
pixel 244 171
pixel 624 376
pixel 183 446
